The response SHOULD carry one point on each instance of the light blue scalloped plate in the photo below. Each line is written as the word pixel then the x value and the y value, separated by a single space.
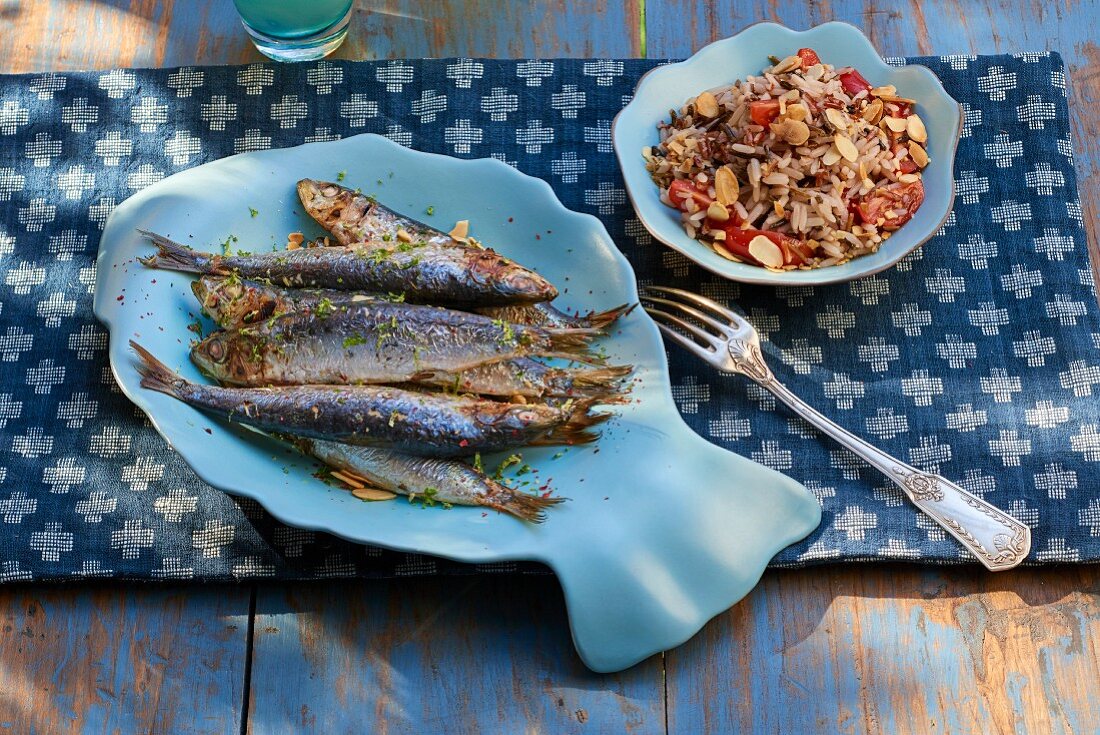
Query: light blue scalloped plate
pixel 663 530
pixel 668 87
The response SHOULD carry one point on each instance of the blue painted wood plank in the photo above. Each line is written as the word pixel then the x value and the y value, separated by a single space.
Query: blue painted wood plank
pixel 449 655
pixel 122 659
pixel 37 36
pixel 896 650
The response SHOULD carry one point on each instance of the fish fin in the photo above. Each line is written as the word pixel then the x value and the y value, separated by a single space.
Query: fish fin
pixel 173 256
pixel 600 377
pixel 155 375
pixel 578 428
pixel 570 338
pixel 574 357
pixel 602 319
pixel 530 508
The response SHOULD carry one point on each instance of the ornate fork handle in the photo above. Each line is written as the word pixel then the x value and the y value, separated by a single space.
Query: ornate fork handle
pixel 998 540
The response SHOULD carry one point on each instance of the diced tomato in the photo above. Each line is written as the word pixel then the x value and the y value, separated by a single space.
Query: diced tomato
pixel 874 206
pixel 904 109
pixel 763 112
pixel 809 57
pixel 854 83
pixel 907 165
pixel 680 190
pixel 795 252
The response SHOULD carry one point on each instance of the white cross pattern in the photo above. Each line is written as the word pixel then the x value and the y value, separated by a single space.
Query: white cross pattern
pixel 44 376
pixel 844 391
pixel 672 261
pixel 605 197
pixel 291 540
pixel 969 187
pixel 795 295
pixel 972 118
pixel 430 104
pixel 878 354
pixel 1036 112
pixel 978 252
pixel 78 115
pixel 499 103
pixel 75 181
pixel 213 537
pixel 78 409
pixel 143 472
pixel 605 71
pixel 855 522
pixel 533 71
pixel 112 148
pixel 1010 214
pixel 252 140
pixel 51 541
pixel 869 290
pixel 464 72
pixel 802 356
pixel 175 505
pixel 131 539
pixel 911 319
pixel 186 80
pixel 1080 378
pixel 10 183
pixel 1009 447
pixel 730 426
pixel 568 101
pixel 898 549
pixel 24 278
pixel 600 135
pixel 118 83
pixel 43 87
pixel 945 285
pixel 97 505
pixel 42 149
pixel 16 506
pixel 1046 415
pixel 836 321
pixel 218 111
pixel 1021 281
pixel 1065 309
pixel 1054 244
pixel 1035 348
pixel 462 136
pixel 252 566
pixel 1000 385
pixel 1003 151
pixel 181 147
pixel 395 75
pixel 534 136
pixel 149 114
pixel 965 419
pixel 988 318
pixel 9 409
pixel 569 167
pixel 289 111
pixel 110 442
pixel 773 454
pixel 63 475
pixel 921 387
pixel 172 568
pixel 14 342
pixel 145 175
pixel 885 424
pixel 324 76
pixel 996 83
pixel 1056 481
pixel 1044 179
pixel 255 77
pixel 87 341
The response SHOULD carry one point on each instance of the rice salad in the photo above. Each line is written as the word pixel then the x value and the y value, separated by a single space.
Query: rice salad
pixel 804 166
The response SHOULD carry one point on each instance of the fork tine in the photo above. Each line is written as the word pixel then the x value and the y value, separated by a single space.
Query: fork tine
pixel 688 344
pixel 724 329
pixel 710 339
pixel 700 301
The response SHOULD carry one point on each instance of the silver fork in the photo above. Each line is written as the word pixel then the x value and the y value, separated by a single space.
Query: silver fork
pixel 729 343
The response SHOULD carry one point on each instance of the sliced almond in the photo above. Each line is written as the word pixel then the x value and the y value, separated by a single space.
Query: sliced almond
pixel 726 186
pixel 717 212
pixel 461 230
pixel 872 113
pixel 915 129
pixel 918 154
pixel 797 111
pixel 888 90
pixel 794 132
pixel 725 253
pixel 403 235
pixel 706 105
pixel 909 178
pixel 788 64
pixel 766 252
pixel 897 124
pixel 846 147
pixel 347 479
pixel 863 170
pixel 836 118
pixel 830 156
pixel 777 206
pixel 373 493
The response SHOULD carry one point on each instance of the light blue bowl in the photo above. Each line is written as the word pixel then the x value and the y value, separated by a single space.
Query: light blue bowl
pixel 722 62
pixel 663 529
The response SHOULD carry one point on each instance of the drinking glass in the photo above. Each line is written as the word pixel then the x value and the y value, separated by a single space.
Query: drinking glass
pixel 295 30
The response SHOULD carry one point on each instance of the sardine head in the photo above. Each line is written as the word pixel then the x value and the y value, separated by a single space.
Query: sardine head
pixel 213 356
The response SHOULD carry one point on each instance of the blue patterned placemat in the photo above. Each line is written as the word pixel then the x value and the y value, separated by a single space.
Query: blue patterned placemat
pixel 975 357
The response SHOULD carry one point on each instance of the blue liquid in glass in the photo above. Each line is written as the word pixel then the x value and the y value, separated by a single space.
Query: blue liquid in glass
pixel 291 18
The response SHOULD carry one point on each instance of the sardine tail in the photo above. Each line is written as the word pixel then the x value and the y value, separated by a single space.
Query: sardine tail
pixel 530 508
pixel 172 256
pixel 578 429
pixel 602 377
pixel 571 338
pixel 155 375
pixel 602 319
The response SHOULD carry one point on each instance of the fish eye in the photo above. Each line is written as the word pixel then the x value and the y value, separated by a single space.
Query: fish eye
pixel 233 291
pixel 215 349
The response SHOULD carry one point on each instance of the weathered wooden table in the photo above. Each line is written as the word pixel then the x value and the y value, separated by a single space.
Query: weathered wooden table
pixel 880 648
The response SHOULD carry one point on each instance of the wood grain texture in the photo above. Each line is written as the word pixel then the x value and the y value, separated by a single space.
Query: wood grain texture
pixel 448 655
pixel 897 650
pixel 676 28
pixel 122 659
pixel 99 34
